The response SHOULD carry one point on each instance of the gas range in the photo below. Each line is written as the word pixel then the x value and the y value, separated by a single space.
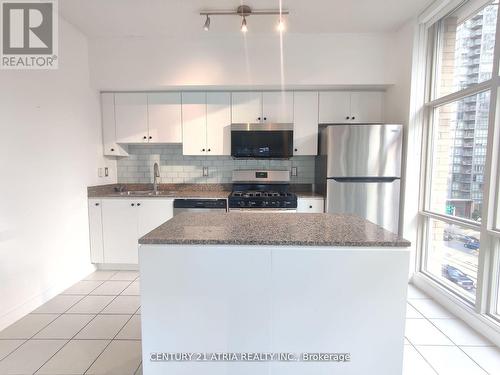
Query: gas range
pixel 271 195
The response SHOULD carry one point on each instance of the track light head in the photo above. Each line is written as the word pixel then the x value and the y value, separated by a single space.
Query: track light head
pixel 206 27
pixel 244 27
pixel 281 25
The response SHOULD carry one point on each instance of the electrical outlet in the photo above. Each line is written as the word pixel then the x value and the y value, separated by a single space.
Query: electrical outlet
pixel 106 172
pixel 99 172
pixel 205 171
pixel 294 171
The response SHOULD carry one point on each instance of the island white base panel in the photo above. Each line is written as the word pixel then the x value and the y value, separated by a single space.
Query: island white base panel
pixel 258 299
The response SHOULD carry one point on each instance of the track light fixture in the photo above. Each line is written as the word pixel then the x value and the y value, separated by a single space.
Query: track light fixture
pixel 206 27
pixel 245 11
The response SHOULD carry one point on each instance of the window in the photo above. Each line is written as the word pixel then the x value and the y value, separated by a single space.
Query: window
pixel 456 225
pixel 466 41
pixel 452 256
pixel 453 162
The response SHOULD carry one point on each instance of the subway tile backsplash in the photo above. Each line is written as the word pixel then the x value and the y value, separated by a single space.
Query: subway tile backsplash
pixel 177 168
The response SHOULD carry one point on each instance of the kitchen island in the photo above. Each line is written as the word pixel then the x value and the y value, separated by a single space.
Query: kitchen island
pixel 253 293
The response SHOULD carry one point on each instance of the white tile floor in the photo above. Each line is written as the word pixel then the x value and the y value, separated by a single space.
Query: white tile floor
pixel 94 327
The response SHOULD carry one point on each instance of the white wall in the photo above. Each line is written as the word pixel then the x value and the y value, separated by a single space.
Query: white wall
pixel 49 153
pixel 232 60
pixel 397 100
pixel 397 110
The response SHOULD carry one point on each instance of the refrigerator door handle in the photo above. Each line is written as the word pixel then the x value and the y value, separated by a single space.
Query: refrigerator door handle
pixel 364 179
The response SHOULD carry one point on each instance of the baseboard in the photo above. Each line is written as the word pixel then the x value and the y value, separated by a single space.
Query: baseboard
pixel 480 323
pixel 118 267
pixel 39 299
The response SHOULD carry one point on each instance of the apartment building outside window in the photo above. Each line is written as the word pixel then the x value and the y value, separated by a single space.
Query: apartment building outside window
pixel 460 226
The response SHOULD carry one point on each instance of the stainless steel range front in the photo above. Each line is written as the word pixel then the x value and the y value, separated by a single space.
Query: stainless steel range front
pixel 261 190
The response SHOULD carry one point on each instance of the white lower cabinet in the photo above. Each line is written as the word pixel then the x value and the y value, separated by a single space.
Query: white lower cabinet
pixel 95 231
pixel 154 212
pixel 120 230
pixel 124 221
pixel 313 205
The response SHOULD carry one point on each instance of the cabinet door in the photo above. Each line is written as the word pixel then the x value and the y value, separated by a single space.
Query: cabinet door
pixel 153 212
pixel 277 107
pixel 111 148
pixel 194 123
pixel 120 230
pixel 164 117
pixel 334 107
pixel 310 205
pixel 246 107
pixel 95 231
pixel 131 114
pixel 218 123
pixel 366 107
pixel 305 124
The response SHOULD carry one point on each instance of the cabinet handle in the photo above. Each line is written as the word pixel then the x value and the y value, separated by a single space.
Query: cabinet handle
pixel 310 206
pixel 97 204
pixel 208 150
pixel 203 149
pixel 112 149
pixel 258 118
pixel 144 137
pixel 132 204
pixel 138 204
pixel 150 137
pixel 353 118
pixel 265 118
pixel 296 150
pixel 347 118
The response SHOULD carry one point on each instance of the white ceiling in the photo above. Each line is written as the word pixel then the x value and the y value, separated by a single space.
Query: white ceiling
pixel 152 18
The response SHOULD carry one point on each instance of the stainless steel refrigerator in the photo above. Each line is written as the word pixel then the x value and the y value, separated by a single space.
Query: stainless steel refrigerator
pixel 359 169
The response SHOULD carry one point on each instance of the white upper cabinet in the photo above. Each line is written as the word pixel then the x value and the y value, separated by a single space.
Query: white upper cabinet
pixel 277 107
pixel 350 107
pixel 334 106
pixel 367 106
pixel 305 125
pixel 194 123
pixel 111 148
pixel 131 116
pixel 246 107
pixel 218 123
pixel 164 117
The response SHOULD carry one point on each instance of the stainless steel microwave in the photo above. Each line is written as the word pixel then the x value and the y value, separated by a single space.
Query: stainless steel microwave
pixel 266 141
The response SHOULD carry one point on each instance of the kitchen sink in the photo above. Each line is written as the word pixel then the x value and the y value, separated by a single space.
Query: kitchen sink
pixel 148 193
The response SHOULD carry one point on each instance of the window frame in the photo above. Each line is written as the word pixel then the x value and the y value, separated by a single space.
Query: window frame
pixel 488 278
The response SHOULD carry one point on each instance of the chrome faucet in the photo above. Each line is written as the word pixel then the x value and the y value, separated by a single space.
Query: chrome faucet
pixel 156 176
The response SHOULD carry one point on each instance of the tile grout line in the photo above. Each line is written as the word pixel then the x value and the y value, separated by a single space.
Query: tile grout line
pixel 110 341
pixel 95 316
pixel 140 364
pixel 65 312
pixel 58 316
pixel 131 316
pixel 422 356
pixel 454 343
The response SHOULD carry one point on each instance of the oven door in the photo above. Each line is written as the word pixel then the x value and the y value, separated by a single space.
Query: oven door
pixel 262 141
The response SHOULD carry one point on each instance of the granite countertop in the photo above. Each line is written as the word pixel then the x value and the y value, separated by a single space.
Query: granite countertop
pixel 177 191
pixel 249 228
pixel 164 191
